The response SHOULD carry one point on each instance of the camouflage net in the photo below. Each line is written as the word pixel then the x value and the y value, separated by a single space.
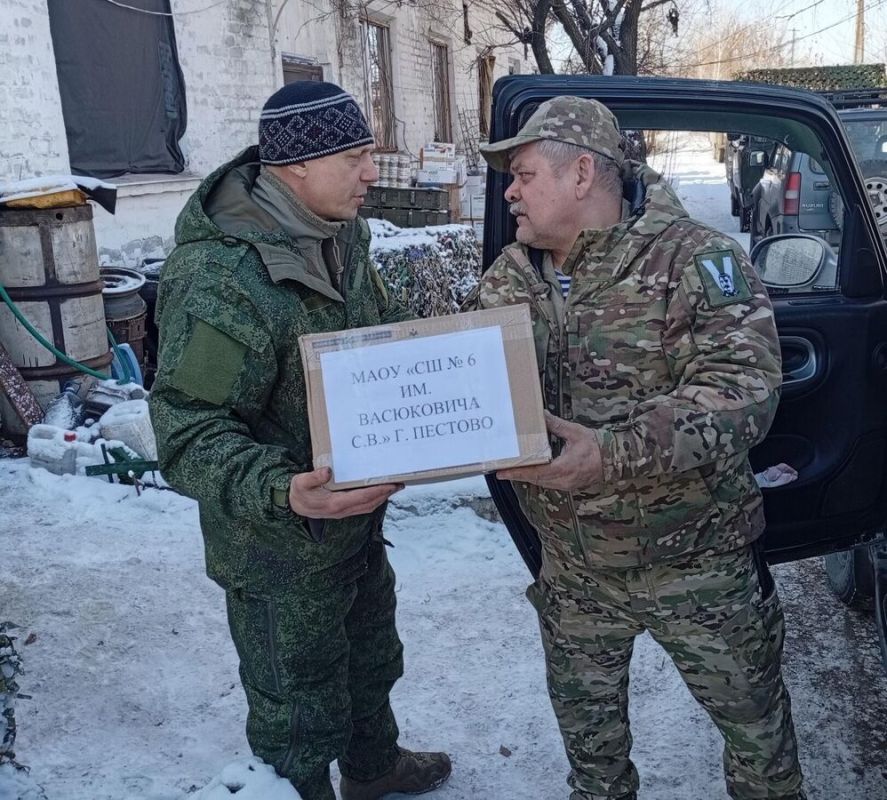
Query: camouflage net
pixel 10 667
pixel 820 79
pixel 430 270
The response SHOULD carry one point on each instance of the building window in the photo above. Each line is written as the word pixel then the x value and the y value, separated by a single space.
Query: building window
pixel 299 69
pixel 440 81
pixel 121 88
pixel 513 66
pixel 379 84
pixel 485 64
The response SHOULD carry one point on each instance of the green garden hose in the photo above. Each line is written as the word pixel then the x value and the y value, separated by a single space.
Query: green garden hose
pixel 58 353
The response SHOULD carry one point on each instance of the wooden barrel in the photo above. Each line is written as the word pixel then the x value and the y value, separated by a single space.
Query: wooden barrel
pixel 49 267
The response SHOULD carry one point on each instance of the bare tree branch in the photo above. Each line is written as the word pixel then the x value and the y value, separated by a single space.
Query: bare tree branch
pixel 596 29
pixel 510 25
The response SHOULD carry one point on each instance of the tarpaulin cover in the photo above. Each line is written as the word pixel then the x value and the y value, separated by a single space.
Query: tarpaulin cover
pixel 122 91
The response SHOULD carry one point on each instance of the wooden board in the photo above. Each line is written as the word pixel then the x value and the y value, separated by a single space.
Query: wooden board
pixel 19 394
pixel 62 199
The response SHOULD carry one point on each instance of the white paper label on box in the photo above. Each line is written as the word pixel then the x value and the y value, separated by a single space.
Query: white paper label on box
pixel 419 404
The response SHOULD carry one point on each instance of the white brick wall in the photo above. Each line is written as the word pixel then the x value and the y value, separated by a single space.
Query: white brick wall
pixel 225 55
pixel 230 68
pixel 32 132
pixel 307 30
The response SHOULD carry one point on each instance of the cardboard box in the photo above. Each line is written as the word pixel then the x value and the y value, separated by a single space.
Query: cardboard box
pixel 473 206
pixel 436 176
pixel 443 153
pixel 425 400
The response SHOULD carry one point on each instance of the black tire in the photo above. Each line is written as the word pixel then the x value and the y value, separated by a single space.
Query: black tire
pixel 745 219
pixel 735 208
pixel 851 577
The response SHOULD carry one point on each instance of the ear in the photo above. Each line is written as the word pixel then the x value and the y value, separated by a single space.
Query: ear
pixel 585 173
pixel 299 169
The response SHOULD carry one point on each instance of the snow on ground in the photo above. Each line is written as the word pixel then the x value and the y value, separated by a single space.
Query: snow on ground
pixel 700 181
pixel 134 678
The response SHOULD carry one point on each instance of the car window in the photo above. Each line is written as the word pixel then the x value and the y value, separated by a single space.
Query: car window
pixel 738 199
pixel 867 132
pixel 868 136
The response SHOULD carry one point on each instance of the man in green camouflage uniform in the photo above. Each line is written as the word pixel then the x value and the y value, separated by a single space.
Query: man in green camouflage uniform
pixel 269 248
pixel 660 368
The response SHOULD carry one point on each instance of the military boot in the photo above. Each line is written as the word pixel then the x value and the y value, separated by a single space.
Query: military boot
pixel 412 773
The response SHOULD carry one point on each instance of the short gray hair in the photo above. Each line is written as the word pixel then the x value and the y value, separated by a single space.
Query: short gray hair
pixel 560 154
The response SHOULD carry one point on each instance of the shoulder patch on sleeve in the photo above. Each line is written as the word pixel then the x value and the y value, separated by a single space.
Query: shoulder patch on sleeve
pixel 721 275
pixel 210 364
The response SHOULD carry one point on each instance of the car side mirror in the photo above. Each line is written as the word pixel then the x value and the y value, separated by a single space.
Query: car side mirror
pixel 790 260
pixel 758 158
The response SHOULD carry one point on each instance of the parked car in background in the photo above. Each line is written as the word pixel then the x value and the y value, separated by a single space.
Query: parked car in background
pixel 744 165
pixel 867 131
pixel 794 194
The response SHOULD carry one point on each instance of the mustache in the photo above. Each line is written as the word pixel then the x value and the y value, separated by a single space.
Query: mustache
pixel 515 209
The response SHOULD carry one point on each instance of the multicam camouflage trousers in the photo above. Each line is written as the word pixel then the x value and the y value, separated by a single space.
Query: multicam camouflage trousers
pixel 317 667
pixel 719 619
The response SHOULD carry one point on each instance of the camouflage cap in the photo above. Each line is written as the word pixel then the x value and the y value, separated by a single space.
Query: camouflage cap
pixel 573 120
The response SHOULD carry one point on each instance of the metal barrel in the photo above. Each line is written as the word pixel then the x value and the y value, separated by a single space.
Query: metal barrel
pixel 126 312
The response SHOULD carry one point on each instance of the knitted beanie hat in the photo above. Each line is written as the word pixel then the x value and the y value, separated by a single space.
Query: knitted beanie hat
pixel 310 119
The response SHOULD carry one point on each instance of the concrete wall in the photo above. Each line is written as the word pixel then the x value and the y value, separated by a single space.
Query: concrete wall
pixel 231 58
pixel 32 131
pixel 225 55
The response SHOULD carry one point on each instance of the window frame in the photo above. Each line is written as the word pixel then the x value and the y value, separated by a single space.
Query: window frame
pixel 441 95
pixel 486 65
pixel 378 69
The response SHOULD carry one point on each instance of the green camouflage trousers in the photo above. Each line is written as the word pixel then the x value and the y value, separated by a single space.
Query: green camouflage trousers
pixel 719 619
pixel 317 668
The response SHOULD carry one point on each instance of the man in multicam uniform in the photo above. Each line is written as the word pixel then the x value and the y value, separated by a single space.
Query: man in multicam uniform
pixel 269 248
pixel 660 368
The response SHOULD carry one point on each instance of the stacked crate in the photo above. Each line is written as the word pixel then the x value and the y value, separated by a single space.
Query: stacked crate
pixel 407 208
pixel 472 203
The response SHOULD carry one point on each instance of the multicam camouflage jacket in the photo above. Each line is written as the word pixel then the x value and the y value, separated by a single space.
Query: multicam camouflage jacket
pixel 666 348
pixel 229 403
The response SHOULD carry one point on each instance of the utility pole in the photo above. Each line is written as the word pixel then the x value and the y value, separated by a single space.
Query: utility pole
pixel 859 50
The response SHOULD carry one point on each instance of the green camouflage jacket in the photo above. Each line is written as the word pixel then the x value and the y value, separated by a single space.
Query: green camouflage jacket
pixel 666 348
pixel 228 404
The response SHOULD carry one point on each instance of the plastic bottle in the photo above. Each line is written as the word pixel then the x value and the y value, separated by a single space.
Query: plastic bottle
pixel 53 449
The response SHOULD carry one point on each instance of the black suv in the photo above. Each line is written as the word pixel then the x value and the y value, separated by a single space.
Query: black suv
pixel 830 307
